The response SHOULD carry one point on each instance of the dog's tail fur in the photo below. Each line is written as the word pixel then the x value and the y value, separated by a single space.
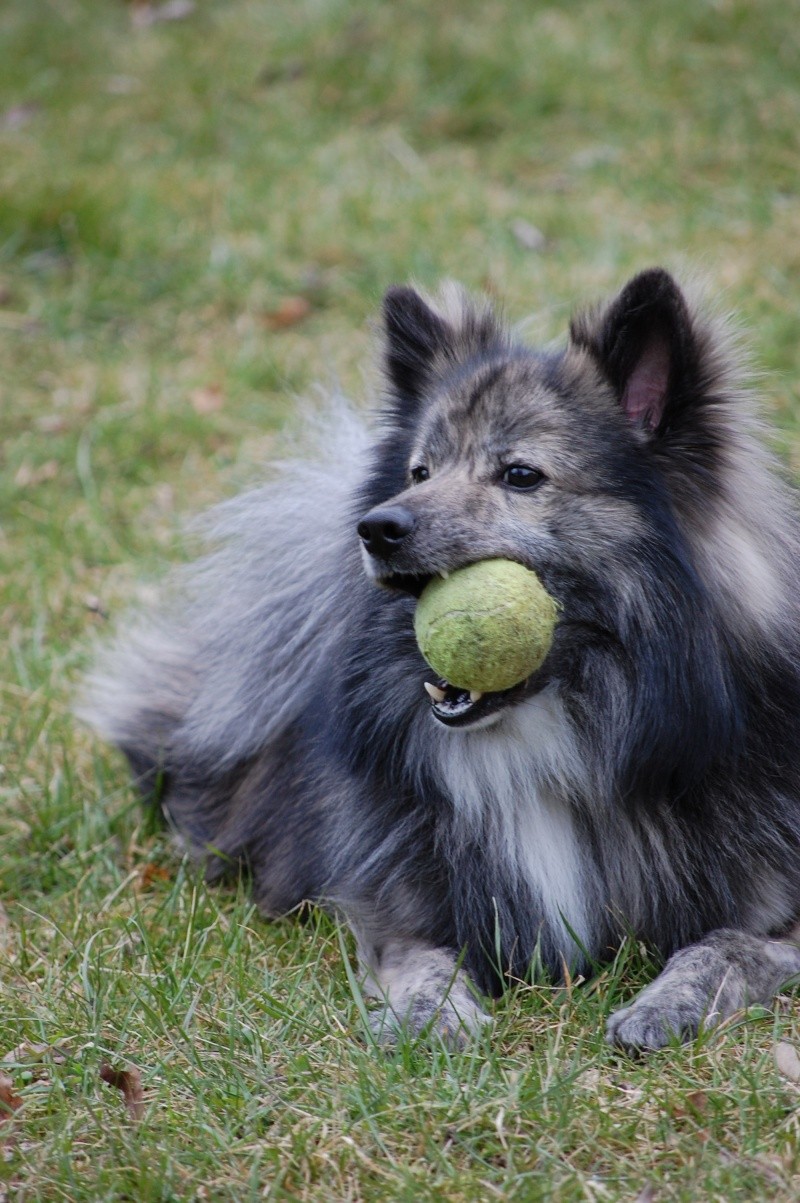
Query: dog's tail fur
pixel 212 676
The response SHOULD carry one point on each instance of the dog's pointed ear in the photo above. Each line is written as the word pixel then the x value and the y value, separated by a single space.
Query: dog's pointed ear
pixel 645 346
pixel 415 338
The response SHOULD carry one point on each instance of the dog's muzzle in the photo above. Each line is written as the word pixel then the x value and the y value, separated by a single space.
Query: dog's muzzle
pixel 383 529
pixel 385 533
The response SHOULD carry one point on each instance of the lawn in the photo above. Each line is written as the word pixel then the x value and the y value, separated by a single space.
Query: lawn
pixel 198 217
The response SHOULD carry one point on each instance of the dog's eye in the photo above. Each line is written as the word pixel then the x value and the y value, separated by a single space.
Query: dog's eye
pixel 419 474
pixel 521 476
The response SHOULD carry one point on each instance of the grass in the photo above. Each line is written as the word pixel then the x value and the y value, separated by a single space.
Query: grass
pixel 169 191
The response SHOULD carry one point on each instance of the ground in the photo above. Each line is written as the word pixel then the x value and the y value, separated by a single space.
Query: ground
pixel 198 216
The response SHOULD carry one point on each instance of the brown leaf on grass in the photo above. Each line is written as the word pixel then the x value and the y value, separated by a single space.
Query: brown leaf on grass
pixel 697 1100
pixel 207 400
pixel 149 873
pixel 692 1106
pixel 34 1051
pixel 129 1081
pixel 24 1052
pixel 9 1099
pixel 289 312
pixel 787 1060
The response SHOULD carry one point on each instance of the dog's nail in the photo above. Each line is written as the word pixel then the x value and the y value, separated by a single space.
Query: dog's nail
pixel 434 692
pixel 475 695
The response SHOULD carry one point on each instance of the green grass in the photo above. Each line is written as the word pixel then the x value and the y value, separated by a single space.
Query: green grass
pixel 164 190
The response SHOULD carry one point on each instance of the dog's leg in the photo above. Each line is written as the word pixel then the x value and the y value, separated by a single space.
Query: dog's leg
pixel 423 991
pixel 703 984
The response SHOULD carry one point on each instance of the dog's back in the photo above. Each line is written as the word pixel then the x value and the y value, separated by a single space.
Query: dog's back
pixel 228 661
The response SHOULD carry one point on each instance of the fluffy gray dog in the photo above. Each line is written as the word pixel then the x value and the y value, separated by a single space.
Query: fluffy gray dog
pixel 646 779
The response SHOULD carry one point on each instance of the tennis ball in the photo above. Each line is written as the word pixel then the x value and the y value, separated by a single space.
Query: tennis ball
pixel 486 627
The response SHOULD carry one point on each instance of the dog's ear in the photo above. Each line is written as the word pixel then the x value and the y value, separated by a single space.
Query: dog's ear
pixel 645 346
pixel 415 338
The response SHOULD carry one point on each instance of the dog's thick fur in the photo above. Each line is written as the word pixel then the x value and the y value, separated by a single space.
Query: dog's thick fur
pixel 646 779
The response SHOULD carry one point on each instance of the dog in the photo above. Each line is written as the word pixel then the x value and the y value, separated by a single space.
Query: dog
pixel 646 779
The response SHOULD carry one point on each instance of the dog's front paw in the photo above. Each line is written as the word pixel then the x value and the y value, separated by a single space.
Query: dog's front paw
pixel 428 1016
pixel 645 1025
pixel 701 985
pixel 688 993
pixel 423 991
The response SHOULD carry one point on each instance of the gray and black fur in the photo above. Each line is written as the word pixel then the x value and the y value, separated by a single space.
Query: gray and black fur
pixel 645 779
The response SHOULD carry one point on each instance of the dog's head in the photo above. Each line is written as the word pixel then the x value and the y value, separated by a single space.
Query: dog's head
pixel 549 459
pixel 493 445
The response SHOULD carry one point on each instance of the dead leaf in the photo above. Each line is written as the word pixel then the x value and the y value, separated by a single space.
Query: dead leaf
pixel 289 312
pixel 34 1051
pixel 9 1100
pixel 24 1052
pixel 697 1100
pixel 129 1081
pixel 787 1060
pixel 208 400
pixel 149 873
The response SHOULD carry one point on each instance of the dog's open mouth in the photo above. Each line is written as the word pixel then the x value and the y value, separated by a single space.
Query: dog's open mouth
pixel 461 707
pixel 452 706
pixel 405 582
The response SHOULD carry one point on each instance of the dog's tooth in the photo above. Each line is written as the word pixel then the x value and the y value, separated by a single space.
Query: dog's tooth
pixel 444 574
pixel 434 692
pixel 475 695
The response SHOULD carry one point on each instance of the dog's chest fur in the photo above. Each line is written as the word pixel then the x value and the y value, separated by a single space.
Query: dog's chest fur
pixel 507 784
pixel 560 865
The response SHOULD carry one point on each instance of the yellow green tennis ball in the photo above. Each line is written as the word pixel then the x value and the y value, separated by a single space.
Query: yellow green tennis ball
pixel 486 627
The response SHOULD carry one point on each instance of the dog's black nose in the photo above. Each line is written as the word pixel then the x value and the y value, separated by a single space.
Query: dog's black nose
pixel 382 530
